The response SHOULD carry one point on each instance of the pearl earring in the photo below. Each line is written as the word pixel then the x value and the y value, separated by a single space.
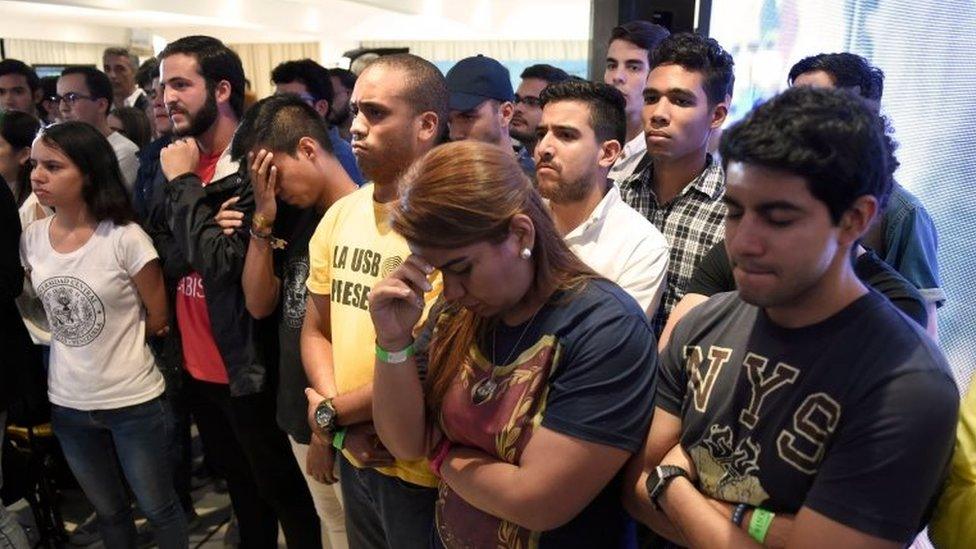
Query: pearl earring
pixel 525 253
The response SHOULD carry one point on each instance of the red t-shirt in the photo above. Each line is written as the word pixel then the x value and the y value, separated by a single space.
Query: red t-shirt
pixel 200 353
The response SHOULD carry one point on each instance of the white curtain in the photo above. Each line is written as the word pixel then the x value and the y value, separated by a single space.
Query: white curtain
pixel 502 50
pixel 34 52
pixel 260 59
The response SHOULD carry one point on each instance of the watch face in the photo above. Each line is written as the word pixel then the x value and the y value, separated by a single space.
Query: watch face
pixel 325 415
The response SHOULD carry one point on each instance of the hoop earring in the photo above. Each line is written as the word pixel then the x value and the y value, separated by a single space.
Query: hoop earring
pixel 525 253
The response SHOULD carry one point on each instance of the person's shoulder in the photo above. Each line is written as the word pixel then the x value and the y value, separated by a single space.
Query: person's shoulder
pixel 625 218
pixel 721 309
pixel 36 227
pixel 122 144
pixel 599 299
pixel 360 200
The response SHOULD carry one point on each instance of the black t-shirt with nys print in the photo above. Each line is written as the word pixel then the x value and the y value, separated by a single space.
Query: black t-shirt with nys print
pixel 852 417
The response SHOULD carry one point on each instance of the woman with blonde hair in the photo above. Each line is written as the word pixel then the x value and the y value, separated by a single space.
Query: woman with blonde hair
pixel 532 381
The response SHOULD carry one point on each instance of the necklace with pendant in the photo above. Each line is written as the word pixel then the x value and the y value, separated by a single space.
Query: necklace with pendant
pixel 484 390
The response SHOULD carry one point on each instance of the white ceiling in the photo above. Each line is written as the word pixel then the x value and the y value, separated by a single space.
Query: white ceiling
pixel 336 23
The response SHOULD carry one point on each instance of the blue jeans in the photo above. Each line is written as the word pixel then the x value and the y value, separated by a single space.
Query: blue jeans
pixel 383 511
pixel 136 437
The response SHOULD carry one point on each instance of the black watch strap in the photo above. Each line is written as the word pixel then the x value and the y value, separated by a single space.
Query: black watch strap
pixel 659 480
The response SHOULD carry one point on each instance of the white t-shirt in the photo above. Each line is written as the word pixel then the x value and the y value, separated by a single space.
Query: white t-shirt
pixel 99 356
pixel 31 309
pixel 622 245
pixel 128 154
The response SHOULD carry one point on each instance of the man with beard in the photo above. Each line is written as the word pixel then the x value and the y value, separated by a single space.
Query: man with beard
pixel 528 110
pixel 482 105
pixel 579 138
pixel 340 116
pixel 803 409
pixel 85 95
pixel 224 352
pixel 628 64
pixel 400 105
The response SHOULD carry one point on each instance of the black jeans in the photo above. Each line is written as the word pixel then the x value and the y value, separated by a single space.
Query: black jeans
pixel 383 511
pixel 241 436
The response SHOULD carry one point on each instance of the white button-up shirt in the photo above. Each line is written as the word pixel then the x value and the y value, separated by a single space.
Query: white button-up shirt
pixel 622 245
pixel 131 100
pixel 629 157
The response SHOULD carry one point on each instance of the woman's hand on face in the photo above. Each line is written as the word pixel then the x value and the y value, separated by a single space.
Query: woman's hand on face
pixel 397 302
pixel 264 180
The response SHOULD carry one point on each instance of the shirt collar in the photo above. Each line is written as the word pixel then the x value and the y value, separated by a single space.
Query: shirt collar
pixel 636 145
pixel 710 182
pixel 131 100
pixel 599 213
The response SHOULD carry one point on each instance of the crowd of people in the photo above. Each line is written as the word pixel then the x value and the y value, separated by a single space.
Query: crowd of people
pixel 407 309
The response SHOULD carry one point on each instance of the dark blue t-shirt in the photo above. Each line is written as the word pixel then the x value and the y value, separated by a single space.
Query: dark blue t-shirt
pixel 599 388
pixel 853 417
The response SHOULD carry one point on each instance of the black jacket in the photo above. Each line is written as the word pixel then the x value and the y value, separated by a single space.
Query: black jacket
pixel 181 224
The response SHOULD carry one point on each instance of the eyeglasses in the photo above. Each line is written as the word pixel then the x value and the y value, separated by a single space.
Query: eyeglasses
pixel 528 100
pixel 70 98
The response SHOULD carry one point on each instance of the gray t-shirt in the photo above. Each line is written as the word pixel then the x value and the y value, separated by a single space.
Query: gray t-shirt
pixel 853 417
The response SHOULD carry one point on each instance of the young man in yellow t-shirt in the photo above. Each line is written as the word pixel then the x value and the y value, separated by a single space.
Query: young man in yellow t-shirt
pixel 400 108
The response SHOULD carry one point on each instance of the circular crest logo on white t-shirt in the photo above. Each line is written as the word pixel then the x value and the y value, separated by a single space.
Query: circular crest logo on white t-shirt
pixel 74 311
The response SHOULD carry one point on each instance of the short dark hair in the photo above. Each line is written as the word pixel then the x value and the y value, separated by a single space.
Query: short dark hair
pixel 19 130
pixel 848 70
pixel 135 125
pixel 545 72
pixel 49 88
pixel 102 190
pixel 16 66
pixel 278 123
pixel 97 82
pixel 308 72
pixel 122 52
pixel 425 90
pixel 345 76
pixel 643 34
pixel 148 70
pixel 216 62
pixel 606 104
pixel 831 138
pixel 694 52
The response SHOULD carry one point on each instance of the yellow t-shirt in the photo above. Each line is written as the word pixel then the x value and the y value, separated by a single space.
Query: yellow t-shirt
pixel 352 249
pixel 952 524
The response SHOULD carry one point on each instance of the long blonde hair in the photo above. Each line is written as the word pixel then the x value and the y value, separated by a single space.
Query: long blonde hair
pixel 467 192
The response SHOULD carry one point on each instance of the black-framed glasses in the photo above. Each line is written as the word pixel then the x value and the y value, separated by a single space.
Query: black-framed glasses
pixel 529 101
pixel 70 98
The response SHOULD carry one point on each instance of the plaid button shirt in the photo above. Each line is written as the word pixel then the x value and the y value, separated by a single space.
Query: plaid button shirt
pixel 692 223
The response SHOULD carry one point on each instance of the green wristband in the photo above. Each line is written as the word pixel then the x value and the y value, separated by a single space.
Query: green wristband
pixel 394 357
pixel 759 525
pixel 339 438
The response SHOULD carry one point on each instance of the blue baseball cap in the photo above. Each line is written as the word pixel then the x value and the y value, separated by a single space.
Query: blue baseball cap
pixel 475 79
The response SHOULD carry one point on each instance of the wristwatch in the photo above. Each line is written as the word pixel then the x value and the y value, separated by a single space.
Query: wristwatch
pixel 325 416
pixel 659 479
